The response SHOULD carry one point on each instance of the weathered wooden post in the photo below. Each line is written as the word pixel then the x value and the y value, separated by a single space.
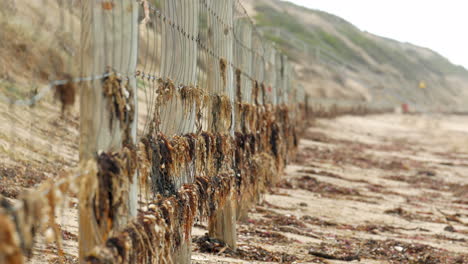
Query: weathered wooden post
pixel 243 62
pixel 243 86
pixel 178 57
pixel 247 33
pixel 279 78
pixel 258 67
pixel 221 82
pixel 179 64
pixel 108 45
pixel 270 74
pixel 286 78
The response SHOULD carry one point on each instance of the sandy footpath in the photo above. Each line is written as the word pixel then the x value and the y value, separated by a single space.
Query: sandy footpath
pixel 376 189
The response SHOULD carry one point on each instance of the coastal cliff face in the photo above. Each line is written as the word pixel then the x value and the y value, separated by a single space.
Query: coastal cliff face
pixel 335 59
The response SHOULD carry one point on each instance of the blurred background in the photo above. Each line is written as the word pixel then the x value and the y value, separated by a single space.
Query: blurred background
pixel 337 59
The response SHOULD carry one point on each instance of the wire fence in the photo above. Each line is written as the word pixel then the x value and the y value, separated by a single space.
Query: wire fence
pixel 125 122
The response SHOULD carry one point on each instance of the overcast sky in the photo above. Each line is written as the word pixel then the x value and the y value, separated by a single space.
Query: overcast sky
pixel 436 24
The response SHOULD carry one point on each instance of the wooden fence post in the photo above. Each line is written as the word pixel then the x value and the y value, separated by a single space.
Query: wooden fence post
pixel 280 77
pixel 179 63
pixel 278 80
pixel 247 33
pixel 243 61
pixel 221 41
pixel 109 39
pixel 258 66
pixel 270 74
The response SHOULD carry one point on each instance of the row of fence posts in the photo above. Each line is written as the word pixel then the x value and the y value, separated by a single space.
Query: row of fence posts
pixel 234 40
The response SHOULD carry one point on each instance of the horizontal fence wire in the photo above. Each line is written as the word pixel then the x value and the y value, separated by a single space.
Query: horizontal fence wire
pixel 183 109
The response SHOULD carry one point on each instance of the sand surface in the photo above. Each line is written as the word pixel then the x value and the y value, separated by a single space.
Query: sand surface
pixel 375 189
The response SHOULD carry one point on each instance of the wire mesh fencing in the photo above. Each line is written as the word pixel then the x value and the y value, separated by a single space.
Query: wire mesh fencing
pixel 125 122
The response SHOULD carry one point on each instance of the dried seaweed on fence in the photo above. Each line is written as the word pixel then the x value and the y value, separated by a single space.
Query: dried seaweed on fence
pixel 10 250
pixel 144 155
pixel 239 159
pixel 167 158
pixel 153 236
pixel 161 165
pixel 27 220
pixel 221 113
pixel 261 171
pixel 223 69
pixel 55 231
pixel 275 140
pixel 145 240
pixel 192 97
pixel 169 218
pixel 110 193
pixel 180 153
pixel 208 148
pixel 255 91
pixel 264 167
pixel 35 212
pixel 191 139
pixel 258 157
pixel 238 85
pixel 248 113
pixel 265 121
pixel 223 152
pixel 121 103
pixel 263 89
pixel 220 188
pixel 65 93
pixel 212 193
pixel 261 127
pixel 253 169
pixel 199 160
pixel 165 91
pixel 238 122
pixel 252 114
pixel 283 120
pixel 112 89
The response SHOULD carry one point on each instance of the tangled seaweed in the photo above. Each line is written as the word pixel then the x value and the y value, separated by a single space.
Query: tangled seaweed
pixel 219 167
pixel 33 214
pixel 110 196
pixel 66 93
pixel 255 91
pixel 221 113
pixel 239 167
pixel 121 103
pixel 192 97
pixel 10 248
pixel 238 74
pixel 166 90
pixel 223 69
pixel 164 224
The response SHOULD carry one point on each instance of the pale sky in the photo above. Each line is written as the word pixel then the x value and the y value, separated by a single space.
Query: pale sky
pixel 436 24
